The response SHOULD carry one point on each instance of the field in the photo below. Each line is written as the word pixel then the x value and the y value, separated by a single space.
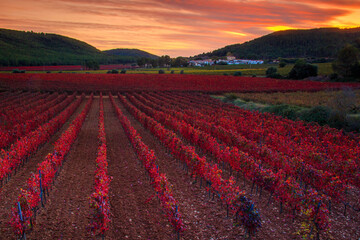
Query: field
pixel 303 99
pixel 156 157
pixel 246 70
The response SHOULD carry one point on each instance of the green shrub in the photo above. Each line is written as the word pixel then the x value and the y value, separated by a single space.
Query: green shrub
pixel 282 64
pixel 182 72
pixel 123 71
pixel 18 71
pixel 114 71
pixel 172 71
pixel 271 72
pixel 303 70
pixel 48 72
pixel 161 71
pixel 284 110
pixel 238 73
pixel 353 123
pixel 225 74
pixel 319 114
pixel 230 97
pixel 337 119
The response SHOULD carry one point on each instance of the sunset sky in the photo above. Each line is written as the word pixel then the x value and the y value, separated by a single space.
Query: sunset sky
pixel 173 27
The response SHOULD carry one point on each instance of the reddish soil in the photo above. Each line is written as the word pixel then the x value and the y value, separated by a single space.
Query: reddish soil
pixel 10 190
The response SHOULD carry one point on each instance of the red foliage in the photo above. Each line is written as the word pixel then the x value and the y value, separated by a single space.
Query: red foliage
pixel 229 193
pixel 159 82
pixel 99 200
pixel 21 120
pixel 26 145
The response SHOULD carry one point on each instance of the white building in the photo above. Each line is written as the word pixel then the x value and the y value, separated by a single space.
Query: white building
pixel 230 61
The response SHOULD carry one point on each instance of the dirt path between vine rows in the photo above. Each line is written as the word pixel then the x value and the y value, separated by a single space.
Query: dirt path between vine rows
pixel 11 190
pixel 203 217
pixel 67 211
pixel 135 214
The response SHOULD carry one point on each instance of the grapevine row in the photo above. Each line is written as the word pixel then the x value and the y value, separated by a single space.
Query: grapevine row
pixel 99 199
pixel 158 180
pixel 30 120
pixel 22 149
pixel 243 208
pixel 24 210
pixel 325 181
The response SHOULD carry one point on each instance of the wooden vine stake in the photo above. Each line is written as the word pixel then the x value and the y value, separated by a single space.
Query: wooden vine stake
pixel 41 190
pixel 22 222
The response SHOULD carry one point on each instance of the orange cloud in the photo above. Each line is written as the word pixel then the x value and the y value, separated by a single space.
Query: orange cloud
pixel 173 27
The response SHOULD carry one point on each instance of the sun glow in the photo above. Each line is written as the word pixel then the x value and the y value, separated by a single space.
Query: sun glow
pixel 279 28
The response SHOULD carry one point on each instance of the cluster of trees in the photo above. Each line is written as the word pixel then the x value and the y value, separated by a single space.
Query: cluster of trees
pixel 301 70
pixel 163 61
pixel 347 64
pixel 346 67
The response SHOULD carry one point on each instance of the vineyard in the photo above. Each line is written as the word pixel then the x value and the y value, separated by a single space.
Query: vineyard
pixel 107 160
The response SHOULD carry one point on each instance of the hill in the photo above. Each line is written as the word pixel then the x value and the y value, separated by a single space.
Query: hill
pixel 126 52
pixel 20 48
pixel 312 43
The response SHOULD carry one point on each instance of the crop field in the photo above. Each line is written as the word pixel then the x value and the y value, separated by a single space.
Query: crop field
pixel 246 70
pixel 304 99
pixel 156 157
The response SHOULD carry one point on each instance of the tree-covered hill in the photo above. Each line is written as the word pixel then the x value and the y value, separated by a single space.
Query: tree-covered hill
pixel 126 52
pixel 20 48
pixel 312 43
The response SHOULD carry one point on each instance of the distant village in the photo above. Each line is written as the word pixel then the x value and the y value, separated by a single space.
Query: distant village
pixel 230 60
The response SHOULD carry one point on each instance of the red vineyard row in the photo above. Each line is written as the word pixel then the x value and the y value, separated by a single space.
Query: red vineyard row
pixel 65 67
pixel 159 181
pixel 11 159
pixel 159 82
pixel 99 199
pixel 240 206
pixel 24 210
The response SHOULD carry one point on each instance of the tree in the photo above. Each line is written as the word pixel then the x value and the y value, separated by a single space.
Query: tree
pixel 271 72
pixel 141 61
pixel 302 70
pixel 347 62
pixel 282 63
pixel 179 62
pixel 164 61
pixel 92 64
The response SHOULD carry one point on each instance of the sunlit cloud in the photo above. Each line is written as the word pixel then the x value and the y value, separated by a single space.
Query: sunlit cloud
pixel 174 27
pixel 236 33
